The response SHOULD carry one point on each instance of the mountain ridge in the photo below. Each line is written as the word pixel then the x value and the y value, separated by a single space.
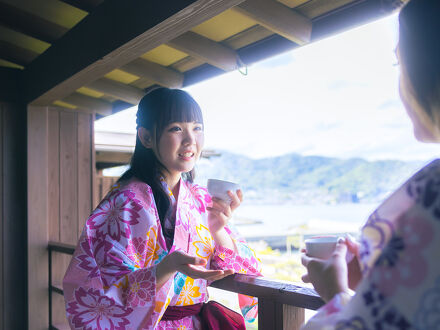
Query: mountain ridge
pixel 308 179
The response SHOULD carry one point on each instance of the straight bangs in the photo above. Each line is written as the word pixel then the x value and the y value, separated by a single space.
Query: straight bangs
pixel 179 106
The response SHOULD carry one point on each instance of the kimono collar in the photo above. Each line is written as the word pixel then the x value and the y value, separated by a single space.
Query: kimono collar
pixel 168 190
pixel 182 200
pixel 181 231
pixel 182 190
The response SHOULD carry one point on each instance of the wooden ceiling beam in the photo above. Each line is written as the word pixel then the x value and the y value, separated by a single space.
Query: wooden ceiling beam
pixel 30 24
pixel 90 104
pixel 209 51
pixel 187 63
pixel 118 90
pixel 247 37
pixel 155 72
pixel 279 19
pixel 143 83
pixel 113 157
pixel 86 5
pixel 16 54
pixel 97 44
pixel 237 41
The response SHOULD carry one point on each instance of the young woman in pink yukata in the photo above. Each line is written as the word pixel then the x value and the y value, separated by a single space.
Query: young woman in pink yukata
pixel 396 272
pixel 150 248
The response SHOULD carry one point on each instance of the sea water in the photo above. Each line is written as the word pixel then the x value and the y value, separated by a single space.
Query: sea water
pixel 272 220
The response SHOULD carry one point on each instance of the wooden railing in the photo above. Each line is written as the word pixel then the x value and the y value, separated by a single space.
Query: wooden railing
pixel 280 304
pixel 56 287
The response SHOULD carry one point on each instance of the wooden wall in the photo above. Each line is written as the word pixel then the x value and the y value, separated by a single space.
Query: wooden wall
pixel 61 182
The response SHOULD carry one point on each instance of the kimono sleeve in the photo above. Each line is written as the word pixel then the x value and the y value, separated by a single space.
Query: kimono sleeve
pixel 111 280
pixel 244 261
pixel 399 289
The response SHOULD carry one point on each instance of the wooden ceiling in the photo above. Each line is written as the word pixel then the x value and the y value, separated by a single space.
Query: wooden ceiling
pixel 101 56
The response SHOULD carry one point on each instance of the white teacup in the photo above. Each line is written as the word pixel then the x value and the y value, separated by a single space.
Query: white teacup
pixel 321 247
pixel 220 188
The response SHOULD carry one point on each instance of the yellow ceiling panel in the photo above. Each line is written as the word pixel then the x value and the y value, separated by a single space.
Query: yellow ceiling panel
pixel 89 92
pixel 224 25
pixel 121 76
pixel 65 105
pixel 293 3
pixel 164 55
pixel 22 40
pixel 52 10
pixel 8 64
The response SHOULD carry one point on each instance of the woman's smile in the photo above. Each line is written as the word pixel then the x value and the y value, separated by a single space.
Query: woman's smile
pixel 180 146
pixel 186 155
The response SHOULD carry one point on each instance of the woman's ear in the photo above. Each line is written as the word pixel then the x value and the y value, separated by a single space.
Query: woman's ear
pixel 145 137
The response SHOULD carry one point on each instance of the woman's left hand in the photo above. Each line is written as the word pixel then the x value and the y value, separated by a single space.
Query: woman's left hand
pixel 329 277
pixel 220 212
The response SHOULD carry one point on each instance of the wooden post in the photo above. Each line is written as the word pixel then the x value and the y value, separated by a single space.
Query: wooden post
pixel 293 317
pixel 270 314
pixel 38 216
pixel 275 315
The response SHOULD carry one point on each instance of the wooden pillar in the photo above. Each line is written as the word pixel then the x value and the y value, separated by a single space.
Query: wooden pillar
pixel 13 252
pixel 38 215
pixel 293 317
pixel 13 263
pixel 275 315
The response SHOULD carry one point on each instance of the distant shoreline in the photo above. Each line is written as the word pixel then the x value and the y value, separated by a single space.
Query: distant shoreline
pixel 282 242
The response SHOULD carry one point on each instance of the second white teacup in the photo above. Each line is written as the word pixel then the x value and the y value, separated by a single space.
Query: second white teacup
pixel 321 247
pixel 219 189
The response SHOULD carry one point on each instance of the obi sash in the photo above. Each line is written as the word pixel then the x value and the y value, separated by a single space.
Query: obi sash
pixel 213 315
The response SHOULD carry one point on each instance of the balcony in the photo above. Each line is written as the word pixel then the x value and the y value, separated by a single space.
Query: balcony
pixel 64 63
pixel 281 305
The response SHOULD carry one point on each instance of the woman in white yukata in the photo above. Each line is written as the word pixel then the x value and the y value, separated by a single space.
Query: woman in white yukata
pixel 148 251
pixel 396 272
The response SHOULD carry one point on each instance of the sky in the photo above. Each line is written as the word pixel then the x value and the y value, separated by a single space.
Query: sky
pixel 336 97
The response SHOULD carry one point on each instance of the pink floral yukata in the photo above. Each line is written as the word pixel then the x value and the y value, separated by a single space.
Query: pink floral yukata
pixel 400 261
pixel 111 283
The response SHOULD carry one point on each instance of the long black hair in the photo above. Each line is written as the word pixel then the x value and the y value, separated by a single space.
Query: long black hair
pixel 419 49
pixel 156 110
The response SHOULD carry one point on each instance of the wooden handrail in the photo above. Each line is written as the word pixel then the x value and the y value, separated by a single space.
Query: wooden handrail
pixel 262 287
pixel 281 304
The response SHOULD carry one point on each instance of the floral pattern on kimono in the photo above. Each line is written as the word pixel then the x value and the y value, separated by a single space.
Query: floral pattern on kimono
pixel 111 280
pixel 400 249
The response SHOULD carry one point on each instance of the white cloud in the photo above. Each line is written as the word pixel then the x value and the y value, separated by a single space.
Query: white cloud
pixel 336 97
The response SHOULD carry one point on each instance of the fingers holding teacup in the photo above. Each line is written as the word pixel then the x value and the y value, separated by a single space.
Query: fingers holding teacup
pixel 305 278
pixel 220 206
pixel 218 215
pixel 305 259
pixel 310 264
pixel 340 250
pixel 226 197
pixel 236 198
pixel 240 195
pixel 353 247
pixel 220 188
